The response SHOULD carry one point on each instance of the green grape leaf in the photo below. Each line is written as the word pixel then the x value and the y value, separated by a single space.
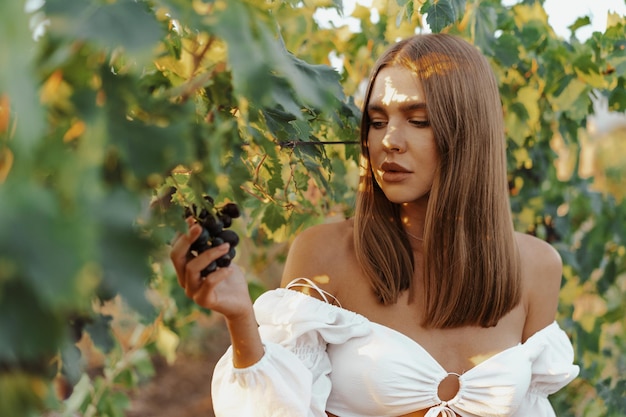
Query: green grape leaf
pixel 506 49
pixel 256 289
pixel 45 241
pixel 100 332
pixel 483 26
pixel 124 251
pixel 70 363
pixel 579 23
pixel 617 97
pixel 273 217
pixel 261 65
pixel 123 23
pixel 30 328
pixel 442 13
pixel 17 76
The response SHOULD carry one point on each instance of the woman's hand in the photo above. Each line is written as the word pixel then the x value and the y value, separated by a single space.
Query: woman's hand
pixel 224 291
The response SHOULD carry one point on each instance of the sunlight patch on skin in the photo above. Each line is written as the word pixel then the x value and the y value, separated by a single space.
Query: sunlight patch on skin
pixel 321 279
pixel 480 358
pixel 392 95
pixel 318 279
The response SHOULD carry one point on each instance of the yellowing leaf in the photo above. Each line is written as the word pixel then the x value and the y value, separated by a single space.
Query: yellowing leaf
pixel 569 95
pixel 529 96
pixel 184 66
pixel 565 162
pixel 394 32
pixel 526 218
pixel 593 79
pixel 56 91
pixel 321 3
pixel 587 308
pixel 5 112
pixel 362 12
pixel 76 130
pixel 167 342
pixel 181 175
pixel 521 156
pixel 526 13
pixel 516 128
pixel 201 7
pixel 614 19
pixel 6 162
pixel 609 164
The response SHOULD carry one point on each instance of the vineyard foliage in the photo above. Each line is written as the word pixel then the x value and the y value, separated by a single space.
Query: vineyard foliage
pixel 116 114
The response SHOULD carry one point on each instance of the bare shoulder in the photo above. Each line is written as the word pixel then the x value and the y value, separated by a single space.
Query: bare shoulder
pixel 537 253
pixel 542 270
pixel 321 253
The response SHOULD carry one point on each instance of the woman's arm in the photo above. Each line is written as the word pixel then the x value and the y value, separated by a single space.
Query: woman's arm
pixel 224 291
pixel 542 270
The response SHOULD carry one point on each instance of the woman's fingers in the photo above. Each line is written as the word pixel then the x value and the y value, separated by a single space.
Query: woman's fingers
pixel 189 266
pixel 193 279
pixel 205 293
pixel 180 249
pixel 181 244
pixel 224 291
pixel 190 221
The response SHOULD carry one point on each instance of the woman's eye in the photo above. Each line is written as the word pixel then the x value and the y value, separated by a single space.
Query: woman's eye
pixel 420 123
pixel 377 124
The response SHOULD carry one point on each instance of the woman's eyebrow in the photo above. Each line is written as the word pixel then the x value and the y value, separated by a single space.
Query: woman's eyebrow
pixel 404 107
pixel 411 106
pixel 374 107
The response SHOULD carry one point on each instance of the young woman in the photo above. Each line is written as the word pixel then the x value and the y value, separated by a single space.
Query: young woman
pixel 426 303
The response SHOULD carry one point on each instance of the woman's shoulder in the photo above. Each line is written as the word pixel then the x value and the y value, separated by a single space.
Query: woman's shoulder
pixel 542 270
pixel 538 255
pixel 322 253
pixel 323 240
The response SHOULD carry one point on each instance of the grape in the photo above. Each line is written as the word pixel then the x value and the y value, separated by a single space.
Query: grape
pixel 214 223
pixel 223 262
pixel 212 267
pixel 230 237
pixel 231 209
pixel 226 220
pixel 201 241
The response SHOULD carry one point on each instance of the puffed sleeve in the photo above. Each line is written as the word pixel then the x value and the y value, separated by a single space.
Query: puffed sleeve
pixel 292 378
pixel 553 368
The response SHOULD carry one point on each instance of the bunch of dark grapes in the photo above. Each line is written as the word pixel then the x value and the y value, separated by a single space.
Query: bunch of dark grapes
pixel 215 224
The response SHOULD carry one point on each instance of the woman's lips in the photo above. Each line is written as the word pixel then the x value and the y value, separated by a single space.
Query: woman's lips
pixel 393 172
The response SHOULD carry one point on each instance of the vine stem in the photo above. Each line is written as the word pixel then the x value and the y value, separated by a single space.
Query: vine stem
pixel 293 143
pixel 121 365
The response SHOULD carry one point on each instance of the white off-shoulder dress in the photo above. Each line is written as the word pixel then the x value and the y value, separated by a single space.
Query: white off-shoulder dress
pixel 320 357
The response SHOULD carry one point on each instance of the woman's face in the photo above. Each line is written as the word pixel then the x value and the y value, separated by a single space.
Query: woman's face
pixel 402 150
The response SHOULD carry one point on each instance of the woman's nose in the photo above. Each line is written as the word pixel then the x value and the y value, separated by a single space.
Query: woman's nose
pixel 392 141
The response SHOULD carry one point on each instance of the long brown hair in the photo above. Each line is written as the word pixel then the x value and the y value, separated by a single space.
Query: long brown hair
pixel 471 269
